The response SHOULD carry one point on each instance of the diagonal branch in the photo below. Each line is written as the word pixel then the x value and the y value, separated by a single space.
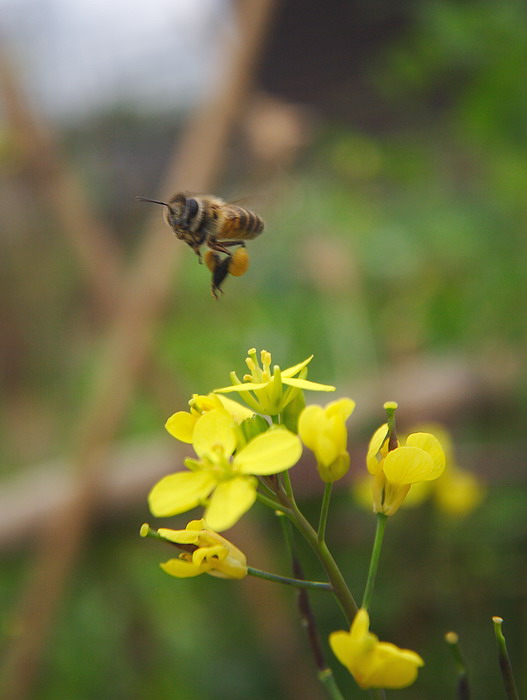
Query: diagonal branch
pixel 195 165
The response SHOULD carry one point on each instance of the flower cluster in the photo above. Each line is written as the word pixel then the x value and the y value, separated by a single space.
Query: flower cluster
pixel 222 478
pixel 244 452
pixel 270 391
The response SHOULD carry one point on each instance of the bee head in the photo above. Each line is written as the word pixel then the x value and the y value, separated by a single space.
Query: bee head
pixel 181 211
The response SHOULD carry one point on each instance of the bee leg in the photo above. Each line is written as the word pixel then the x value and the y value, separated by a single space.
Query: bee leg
pixel 220 269
pixel 219 274
pixel 224 246
pixel 215 291
pixel 221 248
pixel 197 250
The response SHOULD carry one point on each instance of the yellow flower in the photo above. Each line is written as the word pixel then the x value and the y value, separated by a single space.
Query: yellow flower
pixel 373 664
pixel 181 424
pixel 263 389
pixel 458 492
pixel 323 431
pixel 220 481
pixel 204 551
pixel 394 471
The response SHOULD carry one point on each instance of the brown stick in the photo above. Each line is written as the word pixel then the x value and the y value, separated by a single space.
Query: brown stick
pixel 61 191
pixel 195 166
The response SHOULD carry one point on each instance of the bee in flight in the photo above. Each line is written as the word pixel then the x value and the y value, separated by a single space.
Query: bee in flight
pixel 207 220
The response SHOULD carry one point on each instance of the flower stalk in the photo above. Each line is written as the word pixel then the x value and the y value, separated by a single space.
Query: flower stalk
pixel 340 588
pixel 463 688
pixel 504 661
pixel 374 562
pixel 307 617
pixel 287 581
pixel 324 511
pixel 327 679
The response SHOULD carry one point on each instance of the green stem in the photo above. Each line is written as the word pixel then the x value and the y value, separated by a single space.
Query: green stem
pixel 325 674
pixel 287 532
pixel 287 486
pixel 377 693
pixel 271 503
pixel 266 486
pixel 340 588
pixel 374 562
pixel 504 661
pixel 463 687
pixel 327 679
pixel 287 581
pixel 324 510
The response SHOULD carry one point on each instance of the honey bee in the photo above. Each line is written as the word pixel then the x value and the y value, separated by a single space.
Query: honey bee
pixel 208 220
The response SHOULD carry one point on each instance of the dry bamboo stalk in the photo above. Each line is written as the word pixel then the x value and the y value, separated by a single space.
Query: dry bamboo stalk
pixel 195 165
pixel 60 189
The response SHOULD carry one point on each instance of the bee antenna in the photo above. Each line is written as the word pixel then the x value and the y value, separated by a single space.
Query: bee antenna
pixel 154 201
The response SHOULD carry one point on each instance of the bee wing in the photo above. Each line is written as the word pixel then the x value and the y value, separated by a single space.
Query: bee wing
pixel 240 200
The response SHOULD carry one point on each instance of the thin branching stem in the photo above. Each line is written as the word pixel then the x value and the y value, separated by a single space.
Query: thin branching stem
pixel 324 511
pixel 374 562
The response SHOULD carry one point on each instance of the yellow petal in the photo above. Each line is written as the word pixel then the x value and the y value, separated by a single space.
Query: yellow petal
pixel 336 432
pixel 212 554
pixel 375 447
pixel 408 465
pixel 394 497
pixel 214 430
pixel 269 453
pixel 361 624
pixel 336 469
pixel 196 524
pixel 183 569
pixel 340 645
pixel 329 445
pixel 430 444
pixel 306 385
pixel 245 386
pixel 235 409
pixel 230 500
pixel 308 425
pixel 391 667
pixel 179 536
pixel 177 493
pixel 229 568
pixel 341 408
pixel 181 426
pixel 295 369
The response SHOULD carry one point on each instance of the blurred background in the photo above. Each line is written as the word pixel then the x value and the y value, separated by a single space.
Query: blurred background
pixel 385 145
